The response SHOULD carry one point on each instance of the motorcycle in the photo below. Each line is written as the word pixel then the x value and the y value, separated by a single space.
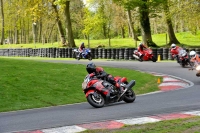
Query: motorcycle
pixel 148 55
pixel 197 67
pixel 84 55
pixel 183 58
pixel 198 71
pixel 100 92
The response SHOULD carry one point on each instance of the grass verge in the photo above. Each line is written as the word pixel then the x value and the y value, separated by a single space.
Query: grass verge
pixel 187 125
pixel 26 84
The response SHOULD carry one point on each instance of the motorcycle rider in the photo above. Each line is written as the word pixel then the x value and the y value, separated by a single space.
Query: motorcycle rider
pixel 194 58
pixel 175 51
pixel 140 50
pixel 100 73
pixel 81 49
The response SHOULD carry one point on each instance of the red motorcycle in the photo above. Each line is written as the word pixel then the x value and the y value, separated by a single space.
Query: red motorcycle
pixel 100 92
pixel 183 58
pixel 148 55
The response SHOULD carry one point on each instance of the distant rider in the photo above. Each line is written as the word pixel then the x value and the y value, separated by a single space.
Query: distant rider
pixel 141 50
pixel 100 73
pixel 175 51
pixel 194 57
pixel 81 49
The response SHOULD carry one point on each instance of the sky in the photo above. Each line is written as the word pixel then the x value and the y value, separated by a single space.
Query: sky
pixel 84 1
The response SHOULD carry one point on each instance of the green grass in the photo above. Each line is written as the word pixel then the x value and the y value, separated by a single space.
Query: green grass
pixel 188 125
pixel 26 84
pixel 185 38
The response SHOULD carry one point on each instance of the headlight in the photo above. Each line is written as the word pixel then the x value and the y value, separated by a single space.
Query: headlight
pixel 198 68
pixel 84 85
pixel 183 54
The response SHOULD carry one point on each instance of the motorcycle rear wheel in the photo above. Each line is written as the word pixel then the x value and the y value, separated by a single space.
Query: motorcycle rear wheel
pixel 96 100
pixel 129 96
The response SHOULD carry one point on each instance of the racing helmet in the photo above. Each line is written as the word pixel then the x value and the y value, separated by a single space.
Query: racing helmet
pixel 91 67
pixel 192 54
pixel 82 44
pixel 141 45
pixel 173 46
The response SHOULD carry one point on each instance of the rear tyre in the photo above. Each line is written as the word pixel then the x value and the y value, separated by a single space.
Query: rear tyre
pixel 78 56
pixel 96 100
pixel 129 96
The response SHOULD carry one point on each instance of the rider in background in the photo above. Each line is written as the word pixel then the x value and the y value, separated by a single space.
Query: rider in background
pixel 141 50
pixel 194 57
pixel 81 49
pixel 175 51
pixel 100 73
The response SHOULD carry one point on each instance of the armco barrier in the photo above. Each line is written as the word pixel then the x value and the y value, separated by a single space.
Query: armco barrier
pixel 98 53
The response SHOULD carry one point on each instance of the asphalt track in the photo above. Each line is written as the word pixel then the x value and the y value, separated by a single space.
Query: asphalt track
pixel 145 105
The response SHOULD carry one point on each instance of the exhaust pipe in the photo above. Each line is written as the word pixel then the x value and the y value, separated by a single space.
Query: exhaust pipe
pixel 128 87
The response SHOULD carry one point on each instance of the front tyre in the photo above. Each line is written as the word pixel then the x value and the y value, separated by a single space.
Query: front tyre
pixel 129 96
pixel 96 100
pixel 153 59
pixel 89 56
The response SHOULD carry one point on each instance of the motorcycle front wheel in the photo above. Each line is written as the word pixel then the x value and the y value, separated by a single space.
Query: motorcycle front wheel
pixel 129 96
pixel 153 59
pixel 90 57
pixel 96 100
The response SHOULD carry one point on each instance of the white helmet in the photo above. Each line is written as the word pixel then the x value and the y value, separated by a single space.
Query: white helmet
pixel 192 54
pixel 173 46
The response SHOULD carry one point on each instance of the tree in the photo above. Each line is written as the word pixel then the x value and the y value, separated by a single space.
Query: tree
pixel 144 17
pixel 59 24
pixel 66 6
pixel 133 32
pixel 2 18
pixel 69 25
pixel 145 23
pixel 171 34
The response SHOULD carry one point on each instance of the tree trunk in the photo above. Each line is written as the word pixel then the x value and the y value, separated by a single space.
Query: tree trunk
pixel 50 32
pixel 145 25
pixel 123 32
pixel 171 34
pixel 69 25
pixel 104 31
pixel 59 24
pixel 16 36
pixel 2 22
pixel 132 30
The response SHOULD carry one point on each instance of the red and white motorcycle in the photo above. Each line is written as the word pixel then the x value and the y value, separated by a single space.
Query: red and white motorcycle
pixel 183 58
pixel 100 92
pixel 148 55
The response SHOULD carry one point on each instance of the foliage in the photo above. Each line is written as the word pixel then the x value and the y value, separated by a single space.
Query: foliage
pixel 20 15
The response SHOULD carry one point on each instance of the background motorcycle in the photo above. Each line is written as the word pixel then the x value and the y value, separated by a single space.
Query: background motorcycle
pixel 100 92
pixel 197 67
pixel 198 71
pixel 183 58
pixel 85 55
pixel 148 55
